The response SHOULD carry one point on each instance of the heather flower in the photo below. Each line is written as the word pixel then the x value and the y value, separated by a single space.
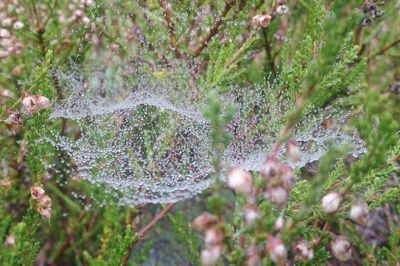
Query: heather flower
pixel 359 212
pixel 213 236
pixel 45 201
pixel 210 255
pixel 330 202
pixel 277 194
pixel 282 9
pixel 45 212
pixel 14 122
pixel 37 192
pixel 293 150
pixel 250 214
pixel 240 180
pixel 341 248
pixel 35 103
pixel 204 221
pixel 18 25
pixel 270 168
pixel 10 241
pixel 6 183
pixel 303 251
pixel 276 250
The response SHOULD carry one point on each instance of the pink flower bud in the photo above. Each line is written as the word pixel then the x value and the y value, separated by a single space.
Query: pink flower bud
pixel 45 201
pixel 293 151
pixel 18 25
pixel 46 212
pixel 255 20
pixel 17 70
pixel 43 102
pixel 277 194
pixel 331 202
pixel 276 250
pixel 265 20
pixel 240 180
pixel 210 256
pixel 10 241
pixel 204 221
pixel 341 248
pixel 213 236
pixel 359 212
pixel 35 103
pixel 30 103
pixel 4 34
pixel 270 167
pixel 303 252
pixel 250 214
pixel 6 93
pixel 287 176
pixel 37 192
pixel 282 9
pixel 279 223
pixel 253 258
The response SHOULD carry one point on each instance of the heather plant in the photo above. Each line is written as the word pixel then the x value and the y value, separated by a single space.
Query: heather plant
pixel 199 132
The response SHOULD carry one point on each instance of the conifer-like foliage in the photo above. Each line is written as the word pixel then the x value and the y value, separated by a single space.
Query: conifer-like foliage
pixel 260 73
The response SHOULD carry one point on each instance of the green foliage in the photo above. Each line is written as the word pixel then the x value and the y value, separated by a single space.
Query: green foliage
pixel 318 55
pixel 185 236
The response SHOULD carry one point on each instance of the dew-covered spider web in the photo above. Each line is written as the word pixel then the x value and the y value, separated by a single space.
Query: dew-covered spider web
pixel 144 137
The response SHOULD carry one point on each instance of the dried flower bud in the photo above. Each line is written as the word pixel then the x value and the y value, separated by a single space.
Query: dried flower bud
pixel 276 250
pixel 341 248
pixel 6 183
pixel 250 214
pixel 240 180
pixel 279 223
pixel 210 256
pixel 45 201
pixel 270 167
pixel 303 252
pixel 265 20
pixel 293 151
pixel 359 212
pixel 10 241
pixel 204 221
pixel 330 203
pixel 46 212
pixel 37 192
pixel 282 9
pixel 14 122
pixel 281 2
pixel 277 194
pixel 213 236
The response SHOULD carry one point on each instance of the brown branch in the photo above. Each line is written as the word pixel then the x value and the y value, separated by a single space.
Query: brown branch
pixel 170 26
pixel 71 232
pixel 385 49
pixel 214 29
pixel 146 228
pixel 156 219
